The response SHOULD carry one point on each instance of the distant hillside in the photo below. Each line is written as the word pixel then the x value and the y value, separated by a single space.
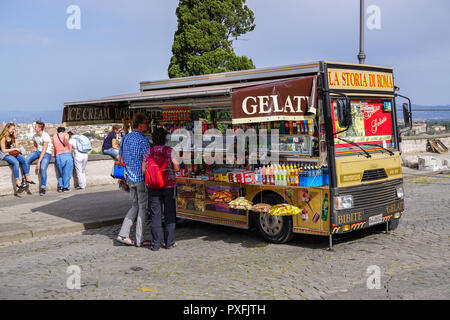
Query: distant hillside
pixel 426 115
pixel 51 116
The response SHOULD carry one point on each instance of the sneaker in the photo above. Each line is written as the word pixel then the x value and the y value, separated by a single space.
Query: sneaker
pixel 79 188
pixel 42 192
pixel 65 190
pixel 59 189
pixel 172 246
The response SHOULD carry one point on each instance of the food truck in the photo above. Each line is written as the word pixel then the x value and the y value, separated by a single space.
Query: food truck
pixel 308 148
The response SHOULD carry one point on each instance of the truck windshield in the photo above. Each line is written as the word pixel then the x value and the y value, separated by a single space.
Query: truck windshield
pixel 371 128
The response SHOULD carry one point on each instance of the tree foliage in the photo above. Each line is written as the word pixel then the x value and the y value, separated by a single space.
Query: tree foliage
pixel 206 30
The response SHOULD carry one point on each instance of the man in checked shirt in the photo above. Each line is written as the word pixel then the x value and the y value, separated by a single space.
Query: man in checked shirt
pixel 132 150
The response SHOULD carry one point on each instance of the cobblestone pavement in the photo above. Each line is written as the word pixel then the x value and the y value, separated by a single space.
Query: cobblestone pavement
pixel 215 262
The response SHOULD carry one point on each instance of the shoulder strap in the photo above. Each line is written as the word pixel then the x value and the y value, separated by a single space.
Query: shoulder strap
pixel 121 146
pixel 60 140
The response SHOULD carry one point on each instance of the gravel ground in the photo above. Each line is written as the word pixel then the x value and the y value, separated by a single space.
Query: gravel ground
pixel 216 262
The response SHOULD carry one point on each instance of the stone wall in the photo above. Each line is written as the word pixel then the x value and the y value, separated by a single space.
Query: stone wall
pixel 98 172
pixel 418 144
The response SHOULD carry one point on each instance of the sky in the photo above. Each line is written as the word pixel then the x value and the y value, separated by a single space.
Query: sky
pixel 120 43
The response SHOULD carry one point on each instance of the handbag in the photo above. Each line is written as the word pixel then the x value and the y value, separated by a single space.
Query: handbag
pixel 119 170
pixel 14 153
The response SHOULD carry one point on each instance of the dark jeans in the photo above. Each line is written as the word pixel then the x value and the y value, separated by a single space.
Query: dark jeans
pixel 157 198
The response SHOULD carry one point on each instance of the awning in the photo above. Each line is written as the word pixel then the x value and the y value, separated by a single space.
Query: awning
pixel 116 108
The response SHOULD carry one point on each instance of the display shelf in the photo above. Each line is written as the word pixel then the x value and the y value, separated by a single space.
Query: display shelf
pixel 262 186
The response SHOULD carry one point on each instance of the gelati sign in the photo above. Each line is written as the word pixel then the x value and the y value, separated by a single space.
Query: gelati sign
pixel 283 100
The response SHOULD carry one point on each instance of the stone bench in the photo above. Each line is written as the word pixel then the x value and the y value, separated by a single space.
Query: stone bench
pixel 98 172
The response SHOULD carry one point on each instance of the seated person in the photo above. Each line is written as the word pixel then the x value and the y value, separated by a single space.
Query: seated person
pixel 10 152
pixel 110 143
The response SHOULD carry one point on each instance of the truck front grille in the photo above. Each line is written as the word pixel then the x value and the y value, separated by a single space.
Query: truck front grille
pixel 372 195
pixel 376 174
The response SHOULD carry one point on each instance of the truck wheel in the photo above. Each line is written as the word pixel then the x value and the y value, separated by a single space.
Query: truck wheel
pixel 393 224
pixel 273 229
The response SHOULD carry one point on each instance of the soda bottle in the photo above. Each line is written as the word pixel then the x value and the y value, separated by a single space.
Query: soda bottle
pixel 288 176
pixel 306 126
pixel 277 175
pixel 272 175
pixel 325 208
pixel 264 175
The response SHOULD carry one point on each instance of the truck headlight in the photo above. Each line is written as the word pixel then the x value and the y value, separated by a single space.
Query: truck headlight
pixel 400 192
pixel 343 202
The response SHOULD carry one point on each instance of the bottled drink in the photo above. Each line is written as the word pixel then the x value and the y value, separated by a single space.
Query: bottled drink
pixel 288 175
pixel 264 175
pixel 277 175
pixel 306 126
pixel 271 176
pixel 291 175
pixel 294 126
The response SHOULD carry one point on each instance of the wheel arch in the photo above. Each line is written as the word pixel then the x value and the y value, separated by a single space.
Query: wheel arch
pixel 257 199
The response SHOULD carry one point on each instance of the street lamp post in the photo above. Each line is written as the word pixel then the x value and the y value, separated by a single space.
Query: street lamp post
pixel 361 54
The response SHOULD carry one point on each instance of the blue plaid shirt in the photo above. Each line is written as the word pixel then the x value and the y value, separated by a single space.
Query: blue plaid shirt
pixel 132 150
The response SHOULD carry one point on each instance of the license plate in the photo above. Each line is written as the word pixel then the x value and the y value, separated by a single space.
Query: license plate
pixel 375 219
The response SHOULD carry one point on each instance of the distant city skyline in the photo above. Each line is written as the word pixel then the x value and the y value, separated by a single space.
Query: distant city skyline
pixel 46 64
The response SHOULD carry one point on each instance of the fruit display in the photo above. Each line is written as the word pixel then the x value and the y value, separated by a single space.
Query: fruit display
pixel 261 207
pixel 284 210
pixel 241 204
pixel 221 196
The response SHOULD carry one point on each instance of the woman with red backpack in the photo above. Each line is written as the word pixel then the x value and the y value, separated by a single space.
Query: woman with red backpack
pixel 159 166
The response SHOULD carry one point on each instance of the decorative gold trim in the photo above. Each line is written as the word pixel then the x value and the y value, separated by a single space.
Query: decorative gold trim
pixel 311 231
pixel 213 220
pixel 272 118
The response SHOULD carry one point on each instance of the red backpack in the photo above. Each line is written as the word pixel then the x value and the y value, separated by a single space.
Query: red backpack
pixel 157 173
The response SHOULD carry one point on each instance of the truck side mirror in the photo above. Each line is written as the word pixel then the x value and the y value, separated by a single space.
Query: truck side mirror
pixel 344 111
pixel 407 116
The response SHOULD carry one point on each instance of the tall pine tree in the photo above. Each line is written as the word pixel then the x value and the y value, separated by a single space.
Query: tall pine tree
pixel 206 30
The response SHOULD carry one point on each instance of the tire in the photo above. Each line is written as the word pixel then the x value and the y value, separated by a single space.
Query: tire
pixel 273 229
pixel 393 224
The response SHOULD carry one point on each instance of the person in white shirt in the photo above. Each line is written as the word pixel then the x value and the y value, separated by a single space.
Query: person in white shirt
pixel 80 161
pixel 43 151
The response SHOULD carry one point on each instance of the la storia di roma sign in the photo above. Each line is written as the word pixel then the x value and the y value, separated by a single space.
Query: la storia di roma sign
pixel 359 79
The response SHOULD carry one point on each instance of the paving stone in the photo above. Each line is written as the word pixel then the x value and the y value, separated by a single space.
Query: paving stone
pixel 223 263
